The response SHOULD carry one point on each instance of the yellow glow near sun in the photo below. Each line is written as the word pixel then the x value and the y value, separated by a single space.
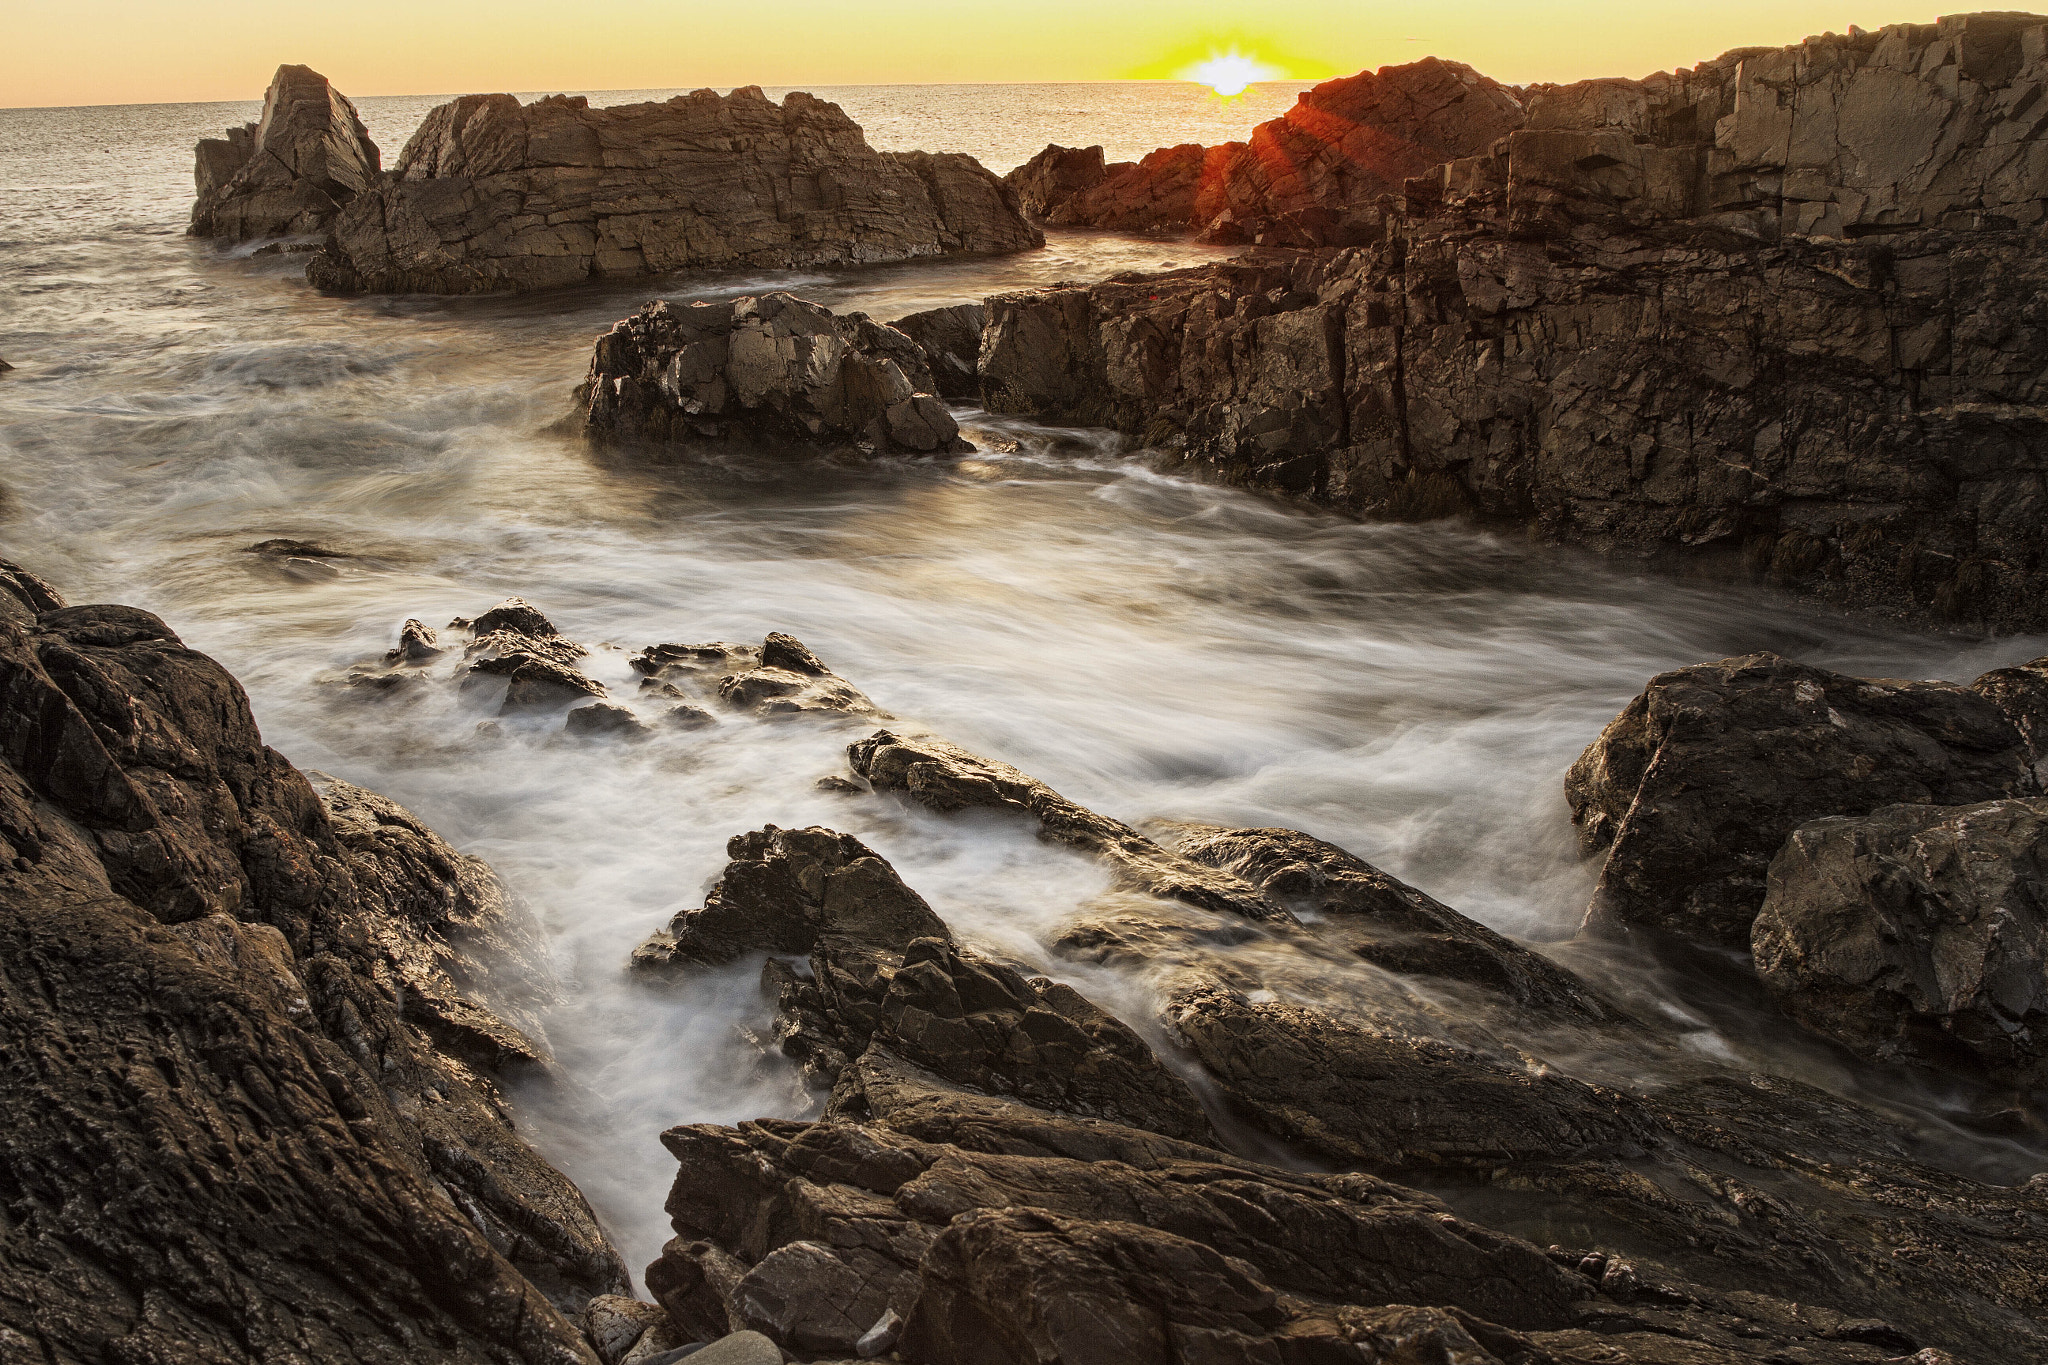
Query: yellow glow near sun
pixel 1229 73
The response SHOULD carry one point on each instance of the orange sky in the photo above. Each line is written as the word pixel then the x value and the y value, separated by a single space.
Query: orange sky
pixel 149 51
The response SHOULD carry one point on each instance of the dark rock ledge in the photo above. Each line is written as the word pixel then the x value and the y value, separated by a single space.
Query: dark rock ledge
pixel 249 1030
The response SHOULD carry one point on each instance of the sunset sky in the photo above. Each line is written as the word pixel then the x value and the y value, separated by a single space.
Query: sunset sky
pixel 147 51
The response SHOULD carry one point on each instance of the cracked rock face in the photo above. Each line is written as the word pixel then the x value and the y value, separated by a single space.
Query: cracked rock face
pixel 250 1032
pixel 491 194
pixel 1693 788
pixel 770 368
pixel 1916 929
pixel 1684 318
pixel 289 173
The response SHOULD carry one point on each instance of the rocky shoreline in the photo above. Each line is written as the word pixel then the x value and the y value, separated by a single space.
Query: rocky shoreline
pixel 1518 1161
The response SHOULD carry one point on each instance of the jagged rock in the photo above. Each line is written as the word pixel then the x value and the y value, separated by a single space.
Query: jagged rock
pixel 490 194
pixel 616 1325
pixel 516 616
pixel 224 1128
pixel 768 368
pixel 605 720
pixel 778 677
pixel 1693 788
pixel 23 596
pixel 1047 181
pixel 991 1244
pixel 518 643
pixel 949 340
pixel 2021 692
pixel 945 778
pixel 886 979
pixel 1916 928
pixel 688 717
pixel 417 644
pixel 1814 365
pixel 1310 177
pixel 291 172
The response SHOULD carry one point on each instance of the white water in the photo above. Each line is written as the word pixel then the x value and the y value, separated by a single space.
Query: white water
pixel 1151 647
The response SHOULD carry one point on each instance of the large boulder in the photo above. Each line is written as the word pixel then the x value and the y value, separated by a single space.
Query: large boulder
pixel 1055 175
pixel 1916 930
pixel 763 369
pixel 491 194
pixel 228 1127
pixel 950 340
pixel 1694 787
pixel 289 173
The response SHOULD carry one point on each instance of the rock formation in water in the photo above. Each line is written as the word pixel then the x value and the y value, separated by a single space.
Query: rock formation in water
pixel 289 173
pixel 764 369
pixel 249 1029
pixel 1313 176
pixel 1772 313
pixel 1003 1171
pixel 491 194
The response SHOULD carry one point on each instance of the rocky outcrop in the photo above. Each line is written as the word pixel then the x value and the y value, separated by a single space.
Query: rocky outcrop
pixel 764 369
pixel 887 985
pixel 1694 787
pixel 2021 692
pixel 231 1134
pixel 1916 929
pixel 1650 322
pixel 950 339
pixel 290 173
pixel 1313 176
pixel 491 194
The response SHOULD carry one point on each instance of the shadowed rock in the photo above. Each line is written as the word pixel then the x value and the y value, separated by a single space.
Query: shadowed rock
pixel 1916 929
pixel 1693 788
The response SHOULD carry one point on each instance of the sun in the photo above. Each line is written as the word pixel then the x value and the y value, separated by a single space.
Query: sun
pixel 1229 73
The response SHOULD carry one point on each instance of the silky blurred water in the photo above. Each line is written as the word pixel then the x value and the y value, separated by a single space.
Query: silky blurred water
pixel 1151 646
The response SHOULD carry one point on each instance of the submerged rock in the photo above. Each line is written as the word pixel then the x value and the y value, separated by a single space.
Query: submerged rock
pixel 1693 788
pixel 777 678
pixel 292 171
pixel 491 194
pixel 249 1035
pixel 1916 929
pixel 768 368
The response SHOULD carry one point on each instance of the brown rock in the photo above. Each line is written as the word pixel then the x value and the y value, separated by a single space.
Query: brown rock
pixel 289 173
pixel 490 194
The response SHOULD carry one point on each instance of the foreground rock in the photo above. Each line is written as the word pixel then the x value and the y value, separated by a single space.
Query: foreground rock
pixel 1392 1035
pixel 291 172
pixel 1694 787
pixel 1313 176
pixel 1916 929
pixel 1794 285
pixel 768 369
pixel 231 1132
pixel 491 194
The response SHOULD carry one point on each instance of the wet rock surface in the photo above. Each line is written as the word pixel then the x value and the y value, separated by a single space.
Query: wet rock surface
pixel 779 677
pixel 1693 788
pixel 1916 928
pixel 491 194
pixel 1767 316
pixel 764 369
pixel 289 173
pixel 230 1133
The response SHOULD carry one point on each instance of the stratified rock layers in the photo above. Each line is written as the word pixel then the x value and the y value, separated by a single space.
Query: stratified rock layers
pixel 491 194
pixel 1674 317
pixel 290 172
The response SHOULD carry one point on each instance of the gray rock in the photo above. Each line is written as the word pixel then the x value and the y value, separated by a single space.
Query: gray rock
pixel 491 194
pixel 949 340
pixel 1693 788
pixel 604 720
pixel 417 644
pixel 616 1323
pixel 1916 929
pixel 2021 692
pixel 289 173
pixel 769 368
